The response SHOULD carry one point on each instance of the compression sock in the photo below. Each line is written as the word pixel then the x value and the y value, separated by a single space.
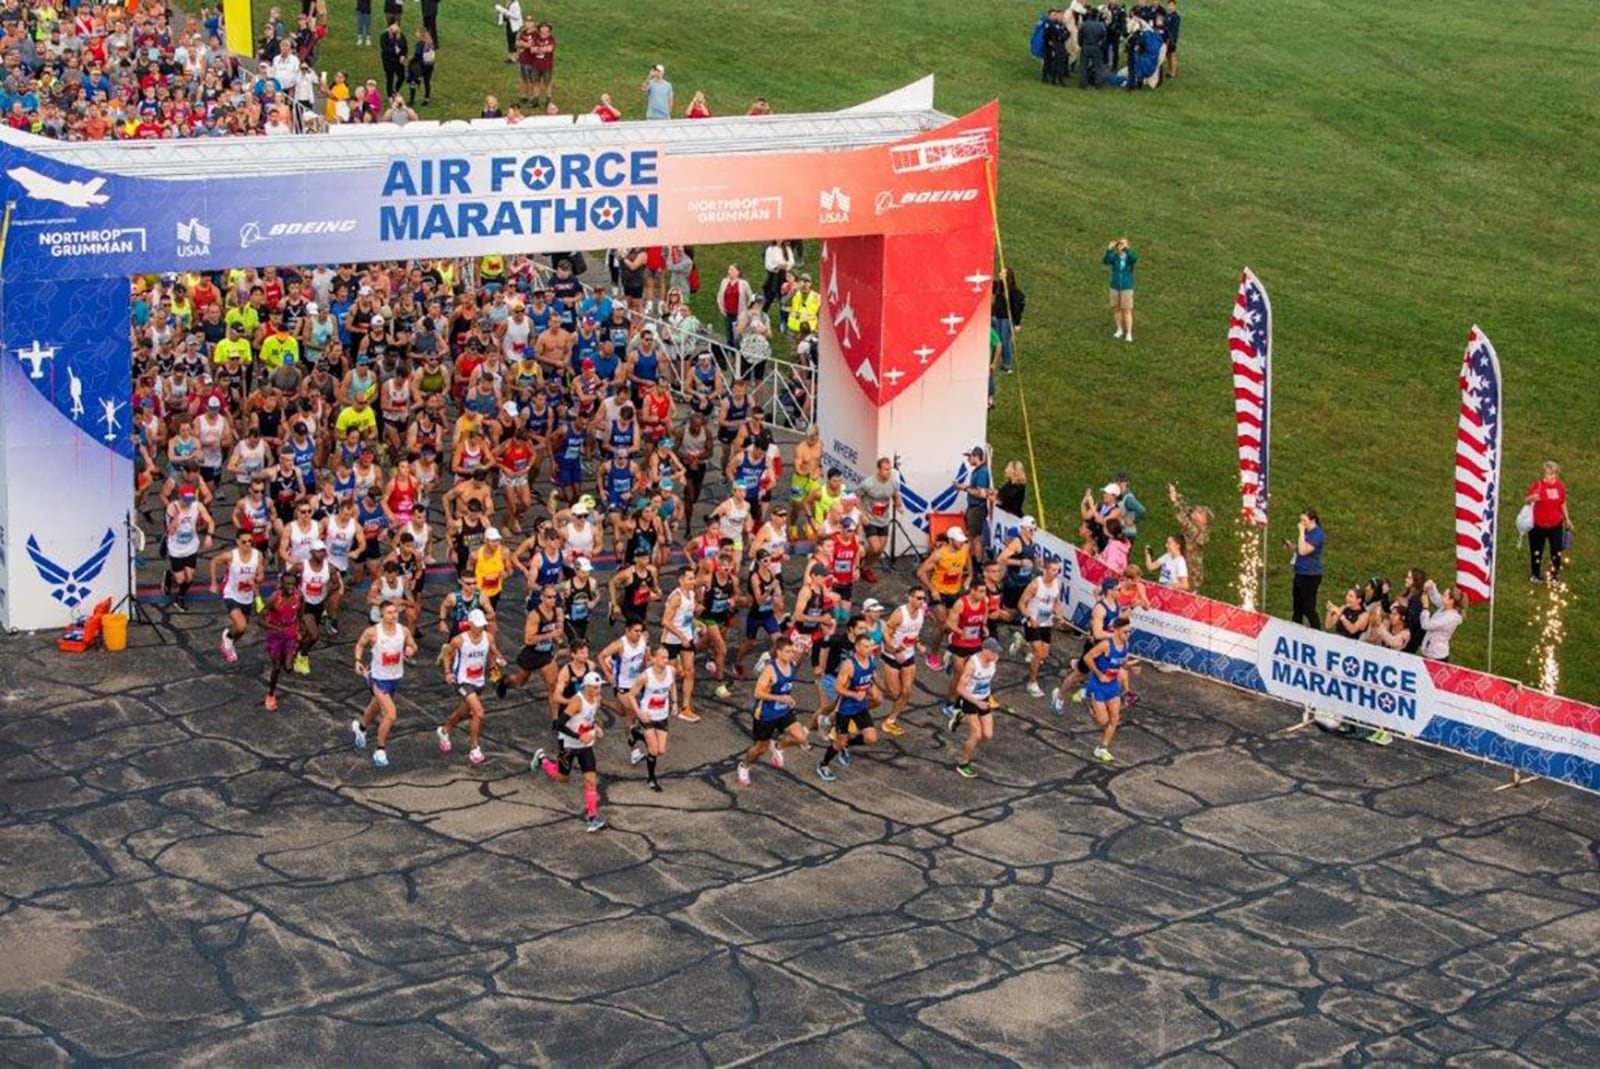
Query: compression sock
pixel 591 802
pixel 650 765
pixel 827 758
pixel 636 735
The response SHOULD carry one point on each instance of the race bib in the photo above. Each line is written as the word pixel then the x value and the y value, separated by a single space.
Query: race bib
pixel 880 508
pixel 389 660
pixel 656 701
pixel 474 671
pixel 246 585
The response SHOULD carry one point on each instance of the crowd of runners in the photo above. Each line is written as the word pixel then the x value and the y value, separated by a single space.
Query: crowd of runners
pixel 499 473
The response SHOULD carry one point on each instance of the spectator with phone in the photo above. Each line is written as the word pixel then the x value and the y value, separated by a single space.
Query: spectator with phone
pixel 1307 549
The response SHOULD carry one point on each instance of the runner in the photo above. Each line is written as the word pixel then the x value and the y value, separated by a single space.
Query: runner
pixel 280 622
pixel 189 532
pixel 1021 558
pixel 491 564
pixel 578 731
pixel 380 655
pixel 1041 607
pixel 858 693
pixel 975 691
pixel 541 633
pixel 1101 615
pixel 904 628
pixel 946 572
pixel 653 696
pixel 582 592
pixel 622 662
pixel 468 660
pixel 715 615
pixel 320 587
pixel 1105 661
pixel 764 596
pixel 880 497
pixel 774 726
pixel 237 573
pixel 967 625
pixel 679 640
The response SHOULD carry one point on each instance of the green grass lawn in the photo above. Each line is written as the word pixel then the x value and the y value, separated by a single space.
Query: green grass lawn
pixel 1393 175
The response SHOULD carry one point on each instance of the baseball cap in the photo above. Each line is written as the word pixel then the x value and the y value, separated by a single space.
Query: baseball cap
pixel 492 535
pixel 848 523
pixel 587 501
pixel 318 545
pixel 313 308
pixel 1029 522
pixel 592 679
pixel 477 619
pixel 992 645
pixel 187 493
pixel 956 534
pixel 377 321
pixel 511 409
pixel 580 509
pixel 583 564
pixel 215 402
pixel 975 451
pixel 1111 488
pixel 587 365
pixel 1108 584
pixel 818 570
pixel 365 291
pixel 872 605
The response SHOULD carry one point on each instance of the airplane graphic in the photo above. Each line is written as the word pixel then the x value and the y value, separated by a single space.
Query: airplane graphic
pixel 952 321
pixel 36 355
pixel 865 372
pixel 73 194
pixel 922 354
pixel 847 316
pixel 75 389
pixel 111 407
pixel 977 279
pixel 894 375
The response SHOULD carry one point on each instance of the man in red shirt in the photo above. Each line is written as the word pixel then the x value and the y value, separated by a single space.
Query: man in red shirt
pixel 1551 522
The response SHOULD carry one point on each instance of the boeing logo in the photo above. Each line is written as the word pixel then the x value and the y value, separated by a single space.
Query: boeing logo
pixel 253 234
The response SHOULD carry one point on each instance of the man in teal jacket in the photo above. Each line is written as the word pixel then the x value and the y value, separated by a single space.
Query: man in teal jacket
pixel 1121 259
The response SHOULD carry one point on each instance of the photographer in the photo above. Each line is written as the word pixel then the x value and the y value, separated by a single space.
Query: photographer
pixel 1307 549
pixel 1121 259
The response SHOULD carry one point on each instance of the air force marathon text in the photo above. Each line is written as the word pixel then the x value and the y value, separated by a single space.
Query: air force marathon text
pixel 510 196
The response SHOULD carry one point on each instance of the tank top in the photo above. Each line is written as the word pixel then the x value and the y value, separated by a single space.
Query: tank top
pixel 629 662
pixel 696 444
pixel 283 613
pixel 949 570
pixel 860 679
pixel 1041 607
pixel 580 541
pixel 647 366
pixel 490 571
pixel 763 594
pixel 305 460
pixel 184 541
pixel 682 619
pixel 577 729
pixel 403 500
pixel 1022 574
pixel 982 681
pixel 971 623
pixel 210 435
pixel 903 642
pixel 341 540
pixel 546 644
pixel 252 461
pixel 580 599
pixel 472 660
pixel 731 523
pixel 388 656
pixel 655 697
pixel 314 582
pixel 240 583
pixel 1115 657
pixel 619 484
pixel 300 542
pixel 782 686
pixel 396 400
pixel 845 553
pixel 825 503
pixel 431 381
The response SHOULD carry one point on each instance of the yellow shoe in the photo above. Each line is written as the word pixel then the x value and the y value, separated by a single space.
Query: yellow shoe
pixel 891 728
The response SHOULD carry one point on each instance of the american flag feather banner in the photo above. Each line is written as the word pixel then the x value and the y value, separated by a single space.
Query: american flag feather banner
pixel 1478 438
pixel 1250 348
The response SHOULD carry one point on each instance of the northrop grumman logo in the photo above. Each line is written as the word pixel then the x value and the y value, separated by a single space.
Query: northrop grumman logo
pixel 194 239
pixel 835 206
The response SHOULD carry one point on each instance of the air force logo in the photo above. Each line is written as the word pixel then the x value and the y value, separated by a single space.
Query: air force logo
pixel 71 587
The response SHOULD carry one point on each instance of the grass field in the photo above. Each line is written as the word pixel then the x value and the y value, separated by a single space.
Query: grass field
pixel 1393 175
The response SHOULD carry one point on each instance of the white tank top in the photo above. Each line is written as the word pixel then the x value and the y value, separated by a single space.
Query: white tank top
pixel 300 539
pixel 388 653
pixel 581 723
pixel 655 697
pixel 904 640
pixel 210 435
pixel 314 582
pixel 982 681
pixel 683 618
pixel 580 540
pixel 472 660
pixel 630 662
pixel 341 540
pixel 240 584
pixel 1041 607
pixel 732 523
pixel 775 540
pixel 184 541
pixel 251 461
pixel 388 590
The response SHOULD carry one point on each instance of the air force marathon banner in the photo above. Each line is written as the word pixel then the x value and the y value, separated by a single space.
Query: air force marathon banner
pixel 1455 708
pixel 903 264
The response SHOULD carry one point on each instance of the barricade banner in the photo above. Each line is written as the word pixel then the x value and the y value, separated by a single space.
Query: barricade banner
pixel 1455 708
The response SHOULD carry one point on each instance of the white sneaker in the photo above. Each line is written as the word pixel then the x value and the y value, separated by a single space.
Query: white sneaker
pixel 1128 338
pixel 359 735
pixel 1118 334
pixel 1034 690
pixel 744 775
pixel 636 756
pixel 444 739
pixel 1102 755
pixel 1016 643
pixel 777 757
pixel 380 759
pixel 475 755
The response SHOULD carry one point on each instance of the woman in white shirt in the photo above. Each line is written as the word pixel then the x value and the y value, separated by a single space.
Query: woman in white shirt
pixel 1440 622
pixel 1173 565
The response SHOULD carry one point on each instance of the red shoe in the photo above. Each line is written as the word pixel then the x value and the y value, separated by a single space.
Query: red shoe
pixel 869 575
pixel 271 703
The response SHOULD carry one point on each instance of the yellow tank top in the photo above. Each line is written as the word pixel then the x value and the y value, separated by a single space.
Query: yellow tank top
pixel 490 571
pixel 825 503
pixel 949 570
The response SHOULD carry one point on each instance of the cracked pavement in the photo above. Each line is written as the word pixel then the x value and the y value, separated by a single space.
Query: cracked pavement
pixel 186 877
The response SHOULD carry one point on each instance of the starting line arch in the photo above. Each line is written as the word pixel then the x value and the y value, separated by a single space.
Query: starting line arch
pixel 896 191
